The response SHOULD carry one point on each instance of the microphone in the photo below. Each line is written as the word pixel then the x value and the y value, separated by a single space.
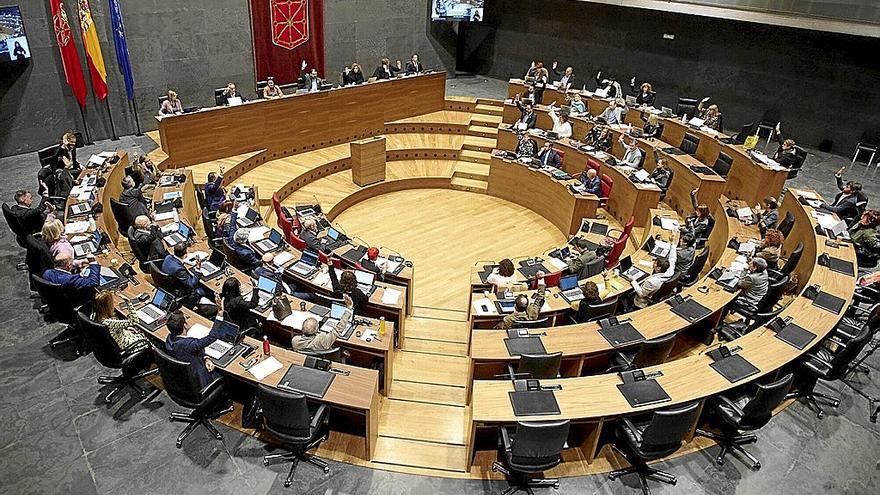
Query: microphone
pixel 383 248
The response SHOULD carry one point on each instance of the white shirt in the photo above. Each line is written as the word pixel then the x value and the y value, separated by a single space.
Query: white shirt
pixel 500 281
pixel 562 129
pixel 632 157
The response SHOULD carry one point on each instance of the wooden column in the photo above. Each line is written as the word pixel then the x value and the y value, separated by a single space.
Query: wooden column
pixel 368 160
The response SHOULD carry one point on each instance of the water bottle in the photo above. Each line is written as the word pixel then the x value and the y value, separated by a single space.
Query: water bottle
pixel 381 326
pixel 267 349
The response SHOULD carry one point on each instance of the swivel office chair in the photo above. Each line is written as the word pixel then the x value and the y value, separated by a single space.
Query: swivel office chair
pixel 538 323
pixel 786 224
pixel 334 354
pixel 660 436
pixel 722 164
pixel 182 384
pixel 746 412
pixel 288 417
pixel 595 311
pixel 686 106
pixel 650 353
pixel 61 307
pixel 732 331
pixel 689 278
pixel 530 448
pixel 790 264
pixel 536 366
pixel 122 216
pixel 774 293
pixel 689 144
pixel 592 268
pixel 667 289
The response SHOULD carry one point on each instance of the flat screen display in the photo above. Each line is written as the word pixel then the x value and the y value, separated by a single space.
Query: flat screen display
pixel 457 10
pixel 13 41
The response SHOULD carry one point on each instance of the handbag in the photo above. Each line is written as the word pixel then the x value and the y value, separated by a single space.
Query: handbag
pixel 281 308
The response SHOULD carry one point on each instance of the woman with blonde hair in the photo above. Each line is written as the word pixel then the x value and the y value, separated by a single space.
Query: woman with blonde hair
pixel 171 105
pixel 53 235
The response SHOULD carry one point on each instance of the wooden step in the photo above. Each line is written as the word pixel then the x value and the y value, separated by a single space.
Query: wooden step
pixel 437 329
pixel 475 157
pixel 422 312
pixel 425 422
pixel 489 109
pixel 469 185
pixel 436 347
pixel 490 102
pixel 431 368
pixel 477 143
pixel 486 132
pixel 471 170
pixel 486 120
pixel 413 453
pixel 427 392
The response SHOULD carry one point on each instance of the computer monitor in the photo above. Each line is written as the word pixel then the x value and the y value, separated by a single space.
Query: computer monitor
pixel 309 258
pixel 568 282
pixel 625 264
pixel 275 237
pixel 184 230
pixel 336 311
pixel 333 233
pixel 217 258
pixel 364 278
pixel 225 330
pixel 251 214
pixel 162 300
pixel 267 285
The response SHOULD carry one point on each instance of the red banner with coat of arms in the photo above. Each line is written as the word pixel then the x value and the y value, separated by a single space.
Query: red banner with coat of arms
pixel 286 33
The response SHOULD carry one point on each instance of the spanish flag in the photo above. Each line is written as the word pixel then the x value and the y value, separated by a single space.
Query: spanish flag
pixel 93 49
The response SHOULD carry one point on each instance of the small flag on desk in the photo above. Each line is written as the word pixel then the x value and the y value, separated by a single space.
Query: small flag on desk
pixel 69 57
pixel 121 47
pixel 93 49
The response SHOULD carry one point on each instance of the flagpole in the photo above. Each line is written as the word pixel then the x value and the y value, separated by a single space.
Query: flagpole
pixel 82 113
pixel 137 119
pixel 112 127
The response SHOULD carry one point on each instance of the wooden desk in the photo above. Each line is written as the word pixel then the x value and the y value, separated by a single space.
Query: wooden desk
pixel 299 122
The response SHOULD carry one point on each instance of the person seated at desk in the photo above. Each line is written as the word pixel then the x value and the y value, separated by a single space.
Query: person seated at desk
pixel 385 70
pixel 591 297
pixel 231 92
pixel 64 179
pixel 215 195
pixel 566 78
pixel 272 90
pixel 684 253
pixel 144 173
pixel 171 105
pixel 590 179
pixel 753 285
pixel 561 125
pixel 313 340
pixel 133 198
pixel 646 289
pixel 414 66
pixel 269 270
pixel 78 284
pixel 645 95
pixel 549 157
pixel 309 235
pixel 352 75
pixel 578 107
pixel 148 238
pixel 224 214
pixel 238 241
pixel 65 155
pixel 124 331
pixel 53 235
pixel 845 203
pixel 609 85
pixel 190 350
pixel 786 154
pixel 866 239
pixel 770 247
pixel 528 118
pixel 525 146
pixel 613 114
pixel 632 155
pixel 653 128
pixel 768 216
pixel 371 264
pixel 346 286
pixel 237 308
pixel 583 255
pixel 190 282
pixel 542 79
pixel 503 276
pixel 710 115
pixel 697 223
pixel 31 219
pixel 309 80
pixel 533 69
pixel 599 138
pixel 661 175
pixel 524 309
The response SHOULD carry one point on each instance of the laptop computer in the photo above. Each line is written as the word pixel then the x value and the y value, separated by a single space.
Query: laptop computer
pixel 213 266
pixel 250 217
pixel 561 253
pixel 571 291
pixel 336 239
pixel 155 312
pixel 80 209
pixel 630 272
pixel 85 248
pixel 181 235
pixel 274 242
pixel 506 307
pixel 365 281
pixel 336 313
pixel 658 249
pixel 307 263
pixel 666 112
pixel 355 255
pixel 110 278
pixel 630 100
pixel 267 288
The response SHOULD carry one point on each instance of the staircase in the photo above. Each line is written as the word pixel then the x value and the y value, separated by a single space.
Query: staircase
pixel 471 172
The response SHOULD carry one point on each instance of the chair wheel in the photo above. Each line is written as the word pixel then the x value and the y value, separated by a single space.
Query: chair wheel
pixel 757 466
pixel 326 469
pixel 265 462
pixel 835 403
pixel 178 443
pixel 170 419
pixel 287 484
pixel 612 477
pixel 219 436
pixel 719 461
pixel 556 485
pixel 107 400
pixel 820 414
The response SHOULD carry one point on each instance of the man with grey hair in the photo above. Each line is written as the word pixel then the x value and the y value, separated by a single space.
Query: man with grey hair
pixel 133 198
pixel 309 234
pixel 754 285
pixel 238 241
pixel 146 237
pixel 312 339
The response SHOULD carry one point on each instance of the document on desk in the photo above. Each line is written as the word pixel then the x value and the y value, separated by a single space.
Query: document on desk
pixel 557 263
pixel 97 160
pixel 390 296
pixel 257 233
pixel 390 266
pixel 265 368
pixel 807 194
pixel 322 279
pixel 484 306
pixel 745 213
pixel 107 154
pixel 282 258
pixel 168 215
pixel 198 331
pixel 368 335
pixel 669 224
pixel 647 263
pixel 76 227
pixel 295 319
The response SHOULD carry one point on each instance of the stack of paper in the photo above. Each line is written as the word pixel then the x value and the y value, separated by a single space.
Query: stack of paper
pixel 390 296
pixel 557 263
pixel 198 331
pixel 168 215
pixel 670 224
pixel 296 319
pixel 96 160
pixel 77 227
pixel 282 258
pixel 257 233
pixel 265 368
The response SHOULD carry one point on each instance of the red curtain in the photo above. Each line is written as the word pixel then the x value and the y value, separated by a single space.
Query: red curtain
pixel 286 32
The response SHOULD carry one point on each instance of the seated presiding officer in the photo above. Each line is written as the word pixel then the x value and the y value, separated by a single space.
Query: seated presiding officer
pixel 753 285
pixel 590 179
pixel 188 349
pixel 525 310
pixel 231 92
pixel 352 75
pixel 385 70
pixel 171 105
pixel 312 339
pixel 78 285
pixel 272 90
pixel 215 195
pixel 549 157
pixel 414 66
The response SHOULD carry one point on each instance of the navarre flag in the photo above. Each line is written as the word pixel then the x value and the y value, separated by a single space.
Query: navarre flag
pixel 93 49
pixel 121 45
pixel 69 56
pixel 286 32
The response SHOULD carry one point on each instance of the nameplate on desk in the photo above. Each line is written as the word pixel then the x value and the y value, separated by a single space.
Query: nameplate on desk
pixel 643 393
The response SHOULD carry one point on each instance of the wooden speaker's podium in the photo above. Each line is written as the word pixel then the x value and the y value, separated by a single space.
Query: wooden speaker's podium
pixel 368 160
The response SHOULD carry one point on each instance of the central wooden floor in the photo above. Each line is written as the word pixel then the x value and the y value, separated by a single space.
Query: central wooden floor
pixel 445 232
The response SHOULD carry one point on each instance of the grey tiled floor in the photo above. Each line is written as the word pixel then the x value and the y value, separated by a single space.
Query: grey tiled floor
pixel 57 437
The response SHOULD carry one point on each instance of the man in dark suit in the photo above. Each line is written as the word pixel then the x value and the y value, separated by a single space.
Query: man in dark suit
pixel 414 66
pixel 239 243
pixel 146 239
pixel 592 183
pixel 846 201
pixel 65 155
pixel 214 193
pixel 78 286
pixel 527 114
pixel 549 157
pixel 188 349
pixel 133 198
pixel 30 219
pixel 309 80
pixel 566 77
pixel 786 154
pixel 231 92
pixel 309 234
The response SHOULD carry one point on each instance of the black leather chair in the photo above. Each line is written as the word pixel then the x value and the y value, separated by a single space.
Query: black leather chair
pixel 62 308
pixel 536 366
pixel 538 323
pixel 687 106
pixel 107 352
pixel 208 225
pixel 820 363
pixel 722 164
pixel 531 448
pixel 334 354
pixel 689 144
pixel 650 353
pixel 139 254
pixel 655 438
pixel 800 157
pixel 219 97
pixel 689 278
pixel 592 268
pixel 667 289
pixel 700 242
pixel 327 300
pixel 14 225
pixel 595 311
pixel 732 331
pixel 790 264
pixel 47 154
pixel 774 292
pixel 182 384
pixel 122 216
pixel 288 417
pixel 746 412
pixel 786 224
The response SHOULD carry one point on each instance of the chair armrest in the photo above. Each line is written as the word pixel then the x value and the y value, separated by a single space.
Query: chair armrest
pixel 608 234
pixel 629 424
pixel 729 403
pixel 211 387
pixel 318 417
pixel 506 444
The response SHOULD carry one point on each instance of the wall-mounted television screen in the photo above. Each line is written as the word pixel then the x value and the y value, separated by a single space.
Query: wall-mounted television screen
pixel 13 42
pixel 457 10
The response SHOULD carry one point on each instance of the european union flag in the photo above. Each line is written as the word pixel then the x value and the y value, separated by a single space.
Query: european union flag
pixel 121 47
